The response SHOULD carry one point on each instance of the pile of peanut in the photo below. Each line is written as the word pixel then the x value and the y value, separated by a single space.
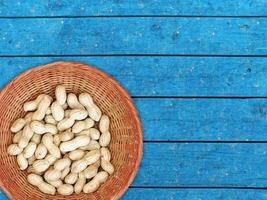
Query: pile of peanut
pixel 63 143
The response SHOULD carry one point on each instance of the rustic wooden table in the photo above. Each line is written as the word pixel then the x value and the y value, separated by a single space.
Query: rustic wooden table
pixel 197 71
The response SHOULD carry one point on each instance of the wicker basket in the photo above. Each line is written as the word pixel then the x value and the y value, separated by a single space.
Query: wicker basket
pixel 125 127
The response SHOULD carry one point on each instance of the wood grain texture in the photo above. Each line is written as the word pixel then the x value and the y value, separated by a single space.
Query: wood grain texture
pixel 186 29
pixel 183 36
pixel 132 7
pixel 174 119
pixel 187 194
pixel 165 76
pixel 203 119
pixel 203 165
pixel 194 194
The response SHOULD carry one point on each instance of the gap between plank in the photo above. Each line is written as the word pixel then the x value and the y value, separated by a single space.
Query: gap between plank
pixel 205 141
pixel 136 55
pixel 199 187
pixel 199 97
pixel 132 16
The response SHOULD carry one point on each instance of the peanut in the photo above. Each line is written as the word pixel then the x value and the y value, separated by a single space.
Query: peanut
pixel 104 124
pixel 101 177
pixel 39 114
pixel 52 175
pixel 90 171
pixel 18 125
pixel 56 183
pixel 78 114
pixel 91 186
pixel 32 105
pixel 73 102
pixel 105 154
pixel 50 159
pixel 61 164
pixel 56 140
pixel 66 136
pixel 49 119
pixel 93 145
pixel 36 138
pixel 75 143
pixel 65 189
pixel 28 117
pixel 65 172
pixel 93 110
pixel 51 147
pixel 84 132
pixel 31 160
pixel 76 154
pixel 29 150
pixel 17 137
pixel 78 187
pixel 94 184
pixel 82 125
pixel 31 170
pixel 38 181
pixel 41 151
pixel 57 111
pixel 107 166
pixel 92 156
pixel 41 128
pixel 41 165
pixel 104 139
pixel 61 95
pixel 71 178
pixel 14 150
pixel 22 161
pixel 78 166
pixel 94 133
pixel 67 123
pixel 26 136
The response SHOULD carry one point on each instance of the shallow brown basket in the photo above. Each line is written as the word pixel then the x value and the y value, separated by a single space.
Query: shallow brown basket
pixel 113 100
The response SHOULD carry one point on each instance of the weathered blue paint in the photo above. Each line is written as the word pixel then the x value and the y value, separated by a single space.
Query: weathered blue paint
pixel 203 165
pixel 194 194
pixel 183 119
pixel 188 194
pixel 166 76
pixel 3 196
pixel 213 36
pixel 132 7
pixel 203 119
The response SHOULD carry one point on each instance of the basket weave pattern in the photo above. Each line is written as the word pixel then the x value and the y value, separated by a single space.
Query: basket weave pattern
pixel 125 126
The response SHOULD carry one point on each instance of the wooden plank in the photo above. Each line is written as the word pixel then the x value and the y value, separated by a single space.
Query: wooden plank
pixel 166 76
pixel 203 165
pixel 132 7
pixel 99 36
pixel 203 119
pixel 3 196
pixel 172 119
pixel 187 194
pixel 193 194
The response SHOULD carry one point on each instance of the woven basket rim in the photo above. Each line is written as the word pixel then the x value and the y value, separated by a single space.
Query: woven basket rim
pixel 118 87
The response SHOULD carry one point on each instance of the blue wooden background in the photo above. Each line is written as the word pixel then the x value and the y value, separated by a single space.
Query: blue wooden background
pixel 196 69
